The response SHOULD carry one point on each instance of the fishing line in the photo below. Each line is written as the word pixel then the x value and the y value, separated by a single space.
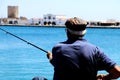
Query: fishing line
pixel 24 41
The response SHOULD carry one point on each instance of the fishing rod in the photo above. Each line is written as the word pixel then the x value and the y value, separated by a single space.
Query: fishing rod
pixel 24 41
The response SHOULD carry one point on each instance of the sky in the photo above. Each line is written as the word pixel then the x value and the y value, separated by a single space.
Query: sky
pixel 85 9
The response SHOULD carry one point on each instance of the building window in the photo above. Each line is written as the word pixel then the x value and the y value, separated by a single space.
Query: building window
pixel 10 22
pixel 49 17
pixel 53 23
pixel 15 22
pixel 49 23
pixel 44 17
pixel 45 23
pixel 53 18
pixel 39 22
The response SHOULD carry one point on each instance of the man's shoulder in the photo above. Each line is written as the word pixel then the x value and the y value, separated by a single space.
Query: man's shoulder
pixel 59 44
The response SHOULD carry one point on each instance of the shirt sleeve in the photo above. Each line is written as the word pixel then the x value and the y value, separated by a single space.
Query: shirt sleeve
pixel 103 61
pixel 55 54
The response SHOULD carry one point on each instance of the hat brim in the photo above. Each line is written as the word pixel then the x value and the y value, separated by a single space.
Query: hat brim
pixel 81 33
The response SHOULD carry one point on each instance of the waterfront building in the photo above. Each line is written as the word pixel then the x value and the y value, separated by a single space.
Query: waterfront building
pixel 104 23
pixel 2 21
pixel 12 11
pixel 50 19
pixel 34 21
pixel 12 21
pixel 23 21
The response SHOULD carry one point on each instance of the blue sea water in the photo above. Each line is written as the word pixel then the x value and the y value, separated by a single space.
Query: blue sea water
pixel 21 61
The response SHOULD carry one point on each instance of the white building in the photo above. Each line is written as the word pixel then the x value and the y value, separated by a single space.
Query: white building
pixel 47 20
pixel 34 21
pixel 14 21
pixel 50 19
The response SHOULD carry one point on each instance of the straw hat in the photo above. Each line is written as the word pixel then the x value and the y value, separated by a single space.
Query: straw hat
pixel 76 26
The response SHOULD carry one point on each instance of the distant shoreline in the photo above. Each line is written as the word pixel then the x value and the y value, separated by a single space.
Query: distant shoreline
pixel 58 26
pixel 111 27
pixel 33 25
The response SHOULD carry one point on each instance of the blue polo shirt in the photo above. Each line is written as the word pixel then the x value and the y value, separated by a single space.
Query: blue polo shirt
pixel 78 60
